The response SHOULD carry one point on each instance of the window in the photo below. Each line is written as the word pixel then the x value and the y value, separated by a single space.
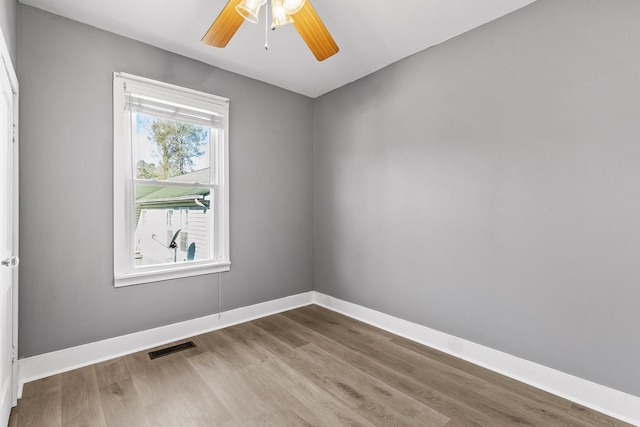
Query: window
pixel 171 178
pixel 184 239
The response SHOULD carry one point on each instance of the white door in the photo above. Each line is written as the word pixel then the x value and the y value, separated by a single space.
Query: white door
pixel 7 257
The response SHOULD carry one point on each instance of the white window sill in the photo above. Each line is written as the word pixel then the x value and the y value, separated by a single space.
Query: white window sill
pixel 176 273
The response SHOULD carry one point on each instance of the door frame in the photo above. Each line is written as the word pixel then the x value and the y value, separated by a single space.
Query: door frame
pixel 7 64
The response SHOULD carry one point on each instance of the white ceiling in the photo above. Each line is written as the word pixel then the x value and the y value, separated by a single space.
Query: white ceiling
pixel 371 34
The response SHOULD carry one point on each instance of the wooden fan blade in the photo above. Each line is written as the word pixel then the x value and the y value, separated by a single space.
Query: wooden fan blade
pixel 225 26
pixel 314 33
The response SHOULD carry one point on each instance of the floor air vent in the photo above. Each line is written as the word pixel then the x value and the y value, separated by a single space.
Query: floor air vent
pixel 170 350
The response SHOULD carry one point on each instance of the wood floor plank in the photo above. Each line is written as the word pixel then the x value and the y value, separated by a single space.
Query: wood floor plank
pixel 282 404
pixel 43 411
pixel 81 405
pixel 111 371
pixel 41 387
pixel 407 364
pixel 463 386
pixel 367 396
pixel 40 405
pixel 315 399
pixel 219 344
pixel 271 397
pixel 312 396
pixel 373 399
pixel 231 386
pixel 305 367
pixel 173 393
pixel 274 327
pixel 332 317
pixel 439 401
pixel 593 417
pixel 512 389
pixel 120 401
pixel 507 384
pixel 13 418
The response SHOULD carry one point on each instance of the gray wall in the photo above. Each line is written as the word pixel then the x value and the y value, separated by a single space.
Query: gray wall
pixel 67 296
pixel 489 188
pixel 8 21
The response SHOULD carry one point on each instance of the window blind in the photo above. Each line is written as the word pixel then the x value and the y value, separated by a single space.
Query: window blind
pixel 154 107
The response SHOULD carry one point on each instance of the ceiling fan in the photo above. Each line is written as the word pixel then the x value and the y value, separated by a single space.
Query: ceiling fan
pixel 300 13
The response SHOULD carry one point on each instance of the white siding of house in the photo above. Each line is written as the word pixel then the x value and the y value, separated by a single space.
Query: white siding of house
pixel 154 222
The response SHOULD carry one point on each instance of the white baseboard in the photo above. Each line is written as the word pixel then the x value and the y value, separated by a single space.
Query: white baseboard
pixel 612 402
pixel 603 399
pixel 44 365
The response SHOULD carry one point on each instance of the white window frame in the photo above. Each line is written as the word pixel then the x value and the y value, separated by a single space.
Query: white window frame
pixel 125 272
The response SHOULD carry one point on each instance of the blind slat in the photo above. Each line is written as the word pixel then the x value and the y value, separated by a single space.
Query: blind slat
pixel 142 104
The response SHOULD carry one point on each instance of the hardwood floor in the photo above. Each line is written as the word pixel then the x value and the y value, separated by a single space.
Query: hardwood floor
pixel 305 367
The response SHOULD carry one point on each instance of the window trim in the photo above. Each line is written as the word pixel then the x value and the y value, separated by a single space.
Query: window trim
pixel 123 179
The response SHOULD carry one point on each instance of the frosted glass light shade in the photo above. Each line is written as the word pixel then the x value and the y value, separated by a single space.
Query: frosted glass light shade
pixel 292 6
pixel 250 9
pixel 280 17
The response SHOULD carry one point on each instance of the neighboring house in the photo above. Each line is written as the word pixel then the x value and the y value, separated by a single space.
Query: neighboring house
pixel 162 211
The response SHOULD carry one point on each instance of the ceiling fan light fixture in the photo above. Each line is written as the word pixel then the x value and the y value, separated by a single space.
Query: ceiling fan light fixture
pixel 299 12
pixel 292 7
pixel 250 9
pixel 280 17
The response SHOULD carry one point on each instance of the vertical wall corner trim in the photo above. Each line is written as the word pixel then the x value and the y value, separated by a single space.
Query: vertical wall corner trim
pixel 603 399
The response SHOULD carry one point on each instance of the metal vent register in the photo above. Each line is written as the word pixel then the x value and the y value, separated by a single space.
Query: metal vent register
pixel 170 350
